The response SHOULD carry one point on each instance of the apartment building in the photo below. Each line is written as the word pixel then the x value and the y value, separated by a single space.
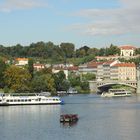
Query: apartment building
pixel 110 70
pixel 123 71
pixel 90 67
pixel 104 70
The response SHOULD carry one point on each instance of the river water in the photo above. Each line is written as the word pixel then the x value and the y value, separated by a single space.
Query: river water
pixel 99 119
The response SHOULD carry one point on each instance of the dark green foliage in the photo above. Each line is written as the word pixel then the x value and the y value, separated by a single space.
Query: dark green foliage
pixel 17 79
pixel 31 67
pixel 85 85
pixel 137 51
pixel 102 52
pixel 67 49
pixel 134 60
pixel 78 82
pixel 61 84
pixel 39 84
pixel 88 76
pixel 2 70
pixel 83 51
pixel 112 50
pixel 63 53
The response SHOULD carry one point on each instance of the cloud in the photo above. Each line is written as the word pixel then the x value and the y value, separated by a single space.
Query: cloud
pixel 122 20
pixel 10 5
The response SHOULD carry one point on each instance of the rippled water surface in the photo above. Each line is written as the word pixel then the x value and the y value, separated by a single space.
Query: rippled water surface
pixel 99 119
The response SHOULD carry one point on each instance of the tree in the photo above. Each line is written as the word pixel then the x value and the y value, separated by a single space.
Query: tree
pixel 2 70
pixel 89 76
pixel 112 50
pixel 43 82
pixel 31 67
pixel 17 79
pixel 61 84
pixel 84 85
pixel 74 80
pixel 102 52
pixel 83 51
pixel 67 49
pixel 93 51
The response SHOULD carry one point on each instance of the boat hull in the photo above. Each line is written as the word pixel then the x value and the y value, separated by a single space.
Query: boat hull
pixel 6 104
pixel 29 100
pixel 116 93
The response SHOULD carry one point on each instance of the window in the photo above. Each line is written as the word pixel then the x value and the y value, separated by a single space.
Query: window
pixel 22 100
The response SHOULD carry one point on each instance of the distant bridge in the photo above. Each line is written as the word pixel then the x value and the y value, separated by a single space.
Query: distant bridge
pixel 95 85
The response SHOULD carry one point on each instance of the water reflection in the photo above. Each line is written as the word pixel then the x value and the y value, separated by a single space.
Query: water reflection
pixel 100 119
pixel 68 124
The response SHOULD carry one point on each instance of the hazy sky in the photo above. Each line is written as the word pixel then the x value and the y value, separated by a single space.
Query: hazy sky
pixel 95 23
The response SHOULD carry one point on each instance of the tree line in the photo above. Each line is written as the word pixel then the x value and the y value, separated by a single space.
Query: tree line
pixel 56 53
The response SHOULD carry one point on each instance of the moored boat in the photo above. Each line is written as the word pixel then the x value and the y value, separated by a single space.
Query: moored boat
pixel 116 93
pixel 28 100
pixel 69 118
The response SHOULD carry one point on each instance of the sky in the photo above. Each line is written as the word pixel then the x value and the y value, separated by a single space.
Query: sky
pixel 94 23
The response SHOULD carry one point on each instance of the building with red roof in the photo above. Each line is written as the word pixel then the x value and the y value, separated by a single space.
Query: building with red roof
pixel 123 71
pixel 127 50
pixel 21 61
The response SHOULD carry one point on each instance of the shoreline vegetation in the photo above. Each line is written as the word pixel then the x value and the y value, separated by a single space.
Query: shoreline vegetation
pixel 14 79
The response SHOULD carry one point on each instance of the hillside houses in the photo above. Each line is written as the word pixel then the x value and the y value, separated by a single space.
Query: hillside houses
pixel 104 67
pixel 110 70
pixel 21 61
pixel 126 52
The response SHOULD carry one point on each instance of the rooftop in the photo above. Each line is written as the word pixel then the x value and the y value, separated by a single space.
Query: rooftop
pixel 127 47
pixel 94 64
pixel 22 59
pixel 125 65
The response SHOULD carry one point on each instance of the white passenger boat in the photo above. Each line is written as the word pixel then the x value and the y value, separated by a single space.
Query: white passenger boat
pixel 28 100
pixel 116 93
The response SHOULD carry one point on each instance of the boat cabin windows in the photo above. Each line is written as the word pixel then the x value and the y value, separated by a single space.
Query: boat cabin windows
pixel 121 93
pixel 19 100
pixel 26 100
pixel 116 90
pixel 55 100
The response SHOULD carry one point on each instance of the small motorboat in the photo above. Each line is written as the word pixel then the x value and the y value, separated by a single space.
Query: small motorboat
pixel 69 118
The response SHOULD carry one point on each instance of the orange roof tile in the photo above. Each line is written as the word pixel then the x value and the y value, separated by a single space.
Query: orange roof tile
pixel 127 47
pixel 108 62
pixel 94 64
pixel 125 65
pixel 22 59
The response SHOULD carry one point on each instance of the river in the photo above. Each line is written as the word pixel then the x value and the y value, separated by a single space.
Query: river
pixel 99 119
